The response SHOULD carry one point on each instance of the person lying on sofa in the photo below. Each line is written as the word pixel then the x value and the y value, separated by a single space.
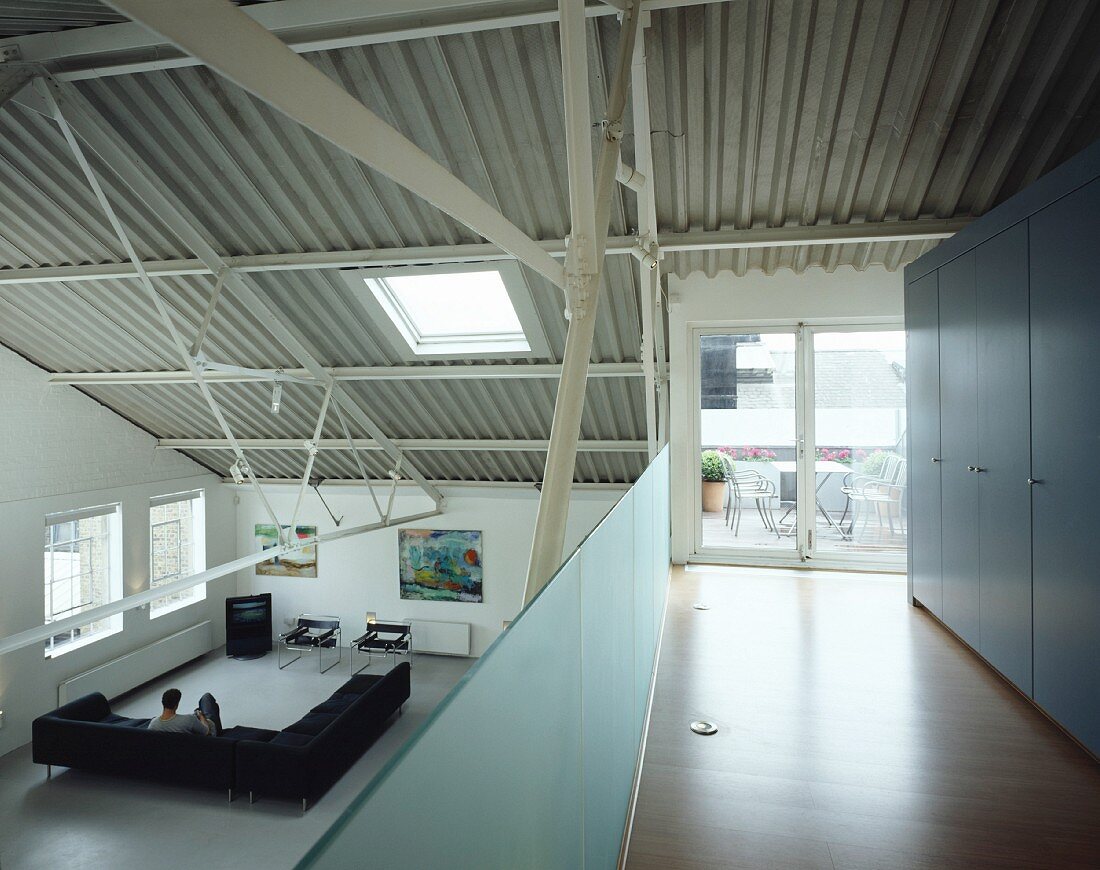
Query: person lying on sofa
pixel 206 720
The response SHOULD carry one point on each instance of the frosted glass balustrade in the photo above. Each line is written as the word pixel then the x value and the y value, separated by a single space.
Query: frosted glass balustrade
pixel 529 761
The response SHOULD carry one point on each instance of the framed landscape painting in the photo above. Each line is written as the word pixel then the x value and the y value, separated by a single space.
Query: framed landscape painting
pixel 438 565
pixel 300 564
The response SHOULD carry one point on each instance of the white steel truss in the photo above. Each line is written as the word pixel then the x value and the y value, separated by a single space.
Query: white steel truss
pixel 520 445
pixel 238 374
pixel 318 25
pixel 923 229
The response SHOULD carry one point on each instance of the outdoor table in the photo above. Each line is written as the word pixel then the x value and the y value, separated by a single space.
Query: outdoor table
pixel 823 469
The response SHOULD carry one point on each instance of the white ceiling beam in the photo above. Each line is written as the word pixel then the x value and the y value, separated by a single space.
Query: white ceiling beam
pixel 237 47
pixel 444 484
pixel 303 25
pixel 702 240
pixel 418 444
pixel 478 371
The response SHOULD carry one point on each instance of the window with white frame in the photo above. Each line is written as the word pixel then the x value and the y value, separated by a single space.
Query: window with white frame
pixel 177 548
pixel 83 570
pixel 454 310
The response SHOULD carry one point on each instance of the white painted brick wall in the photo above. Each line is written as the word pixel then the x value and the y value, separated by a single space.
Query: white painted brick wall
pixel 55 440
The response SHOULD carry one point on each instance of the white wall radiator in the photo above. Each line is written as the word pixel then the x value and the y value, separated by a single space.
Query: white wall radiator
pixel 127 672
pixel 441 638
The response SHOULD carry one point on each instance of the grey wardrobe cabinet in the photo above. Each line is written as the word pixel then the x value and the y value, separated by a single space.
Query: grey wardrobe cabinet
pixel 959 446
pixel 1003 363
pixel 923 377
pixel 1004 454
pixel 1065 423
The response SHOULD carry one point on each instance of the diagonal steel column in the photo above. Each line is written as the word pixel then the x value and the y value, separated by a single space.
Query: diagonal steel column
pixel 231 43
pixel 584 258
pixel 116 153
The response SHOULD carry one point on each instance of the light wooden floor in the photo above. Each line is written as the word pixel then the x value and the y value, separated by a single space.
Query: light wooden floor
pixel 854 733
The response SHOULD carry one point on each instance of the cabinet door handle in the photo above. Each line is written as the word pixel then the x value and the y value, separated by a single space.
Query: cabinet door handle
pixel 978 470
pixel 971 468
pixel 1032 481
pixel 935 459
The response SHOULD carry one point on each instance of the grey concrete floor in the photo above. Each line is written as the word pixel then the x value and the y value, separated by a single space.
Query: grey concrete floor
pixel 79 819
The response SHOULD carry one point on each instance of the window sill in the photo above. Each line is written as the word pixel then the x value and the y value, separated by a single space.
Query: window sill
pixel 164 610
pixel 79 644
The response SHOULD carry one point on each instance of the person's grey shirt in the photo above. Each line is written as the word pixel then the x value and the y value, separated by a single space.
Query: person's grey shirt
pixel 181 723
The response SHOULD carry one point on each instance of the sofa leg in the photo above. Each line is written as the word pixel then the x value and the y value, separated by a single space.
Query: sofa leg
pixel 49 771
pixel 251 799
pixel 303 806
pixel 231 795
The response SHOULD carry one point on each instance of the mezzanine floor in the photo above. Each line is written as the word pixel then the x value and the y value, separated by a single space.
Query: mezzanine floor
pixel 854 732
pixel 86 820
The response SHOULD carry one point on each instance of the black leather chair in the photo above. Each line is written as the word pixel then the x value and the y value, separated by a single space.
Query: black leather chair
pixel 312 633
pixel 388 638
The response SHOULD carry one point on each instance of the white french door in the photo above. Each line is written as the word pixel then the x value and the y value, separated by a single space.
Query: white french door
pixel 807 423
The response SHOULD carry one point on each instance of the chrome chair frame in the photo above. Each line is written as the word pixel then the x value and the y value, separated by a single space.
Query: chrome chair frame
pixel 370 642
pixel 329 630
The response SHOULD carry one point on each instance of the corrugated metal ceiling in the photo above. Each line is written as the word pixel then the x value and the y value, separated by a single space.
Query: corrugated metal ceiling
pixel 763 114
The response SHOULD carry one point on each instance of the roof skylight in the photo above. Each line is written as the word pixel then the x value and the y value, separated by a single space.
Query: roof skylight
pixel 481 310
pixel 460 312
pixel 458 304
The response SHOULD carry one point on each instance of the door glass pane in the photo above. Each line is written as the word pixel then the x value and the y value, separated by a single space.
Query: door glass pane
pixel 859 402
pixel 747 429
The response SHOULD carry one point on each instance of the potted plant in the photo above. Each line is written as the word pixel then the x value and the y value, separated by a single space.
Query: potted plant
pixel 714 481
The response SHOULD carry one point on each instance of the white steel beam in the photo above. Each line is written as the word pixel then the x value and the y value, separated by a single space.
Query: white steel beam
pixel 347 483
pixel 304 25
pixel 40 633
pixel 589 212
pixel 234 45
pixel 702 240
pixel 477 371
pixel 116 153
pixel 513 445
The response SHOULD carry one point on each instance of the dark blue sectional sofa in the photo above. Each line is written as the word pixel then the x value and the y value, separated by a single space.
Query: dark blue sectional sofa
pixel 301 762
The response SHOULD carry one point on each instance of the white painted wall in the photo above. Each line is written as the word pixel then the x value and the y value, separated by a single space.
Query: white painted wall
pixel 62 450
pixel 816 296
pixel 359 574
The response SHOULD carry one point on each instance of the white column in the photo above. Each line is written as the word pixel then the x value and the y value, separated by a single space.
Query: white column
pixel 584 257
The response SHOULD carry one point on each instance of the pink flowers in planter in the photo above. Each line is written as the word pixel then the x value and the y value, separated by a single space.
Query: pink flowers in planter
pixel 840 454
pixel 748 454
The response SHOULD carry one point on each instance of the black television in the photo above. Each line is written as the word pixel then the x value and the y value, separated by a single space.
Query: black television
pixel 248 626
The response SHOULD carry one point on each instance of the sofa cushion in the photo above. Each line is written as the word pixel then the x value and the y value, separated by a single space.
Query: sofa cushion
pixel 89 708
pixel 115 719
pixel 358 684
pixel 336 704
pixel 246 732
pixel 311 724
pixel 289 738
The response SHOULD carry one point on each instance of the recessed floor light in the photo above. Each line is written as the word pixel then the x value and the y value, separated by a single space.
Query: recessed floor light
pixel 699 605
pixel 704 728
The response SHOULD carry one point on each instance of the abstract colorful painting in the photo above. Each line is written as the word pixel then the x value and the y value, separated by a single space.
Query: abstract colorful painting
pixel 438 565
pixel 300 564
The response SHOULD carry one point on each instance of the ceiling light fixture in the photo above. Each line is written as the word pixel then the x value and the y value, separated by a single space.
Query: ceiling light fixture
pixel 276 397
